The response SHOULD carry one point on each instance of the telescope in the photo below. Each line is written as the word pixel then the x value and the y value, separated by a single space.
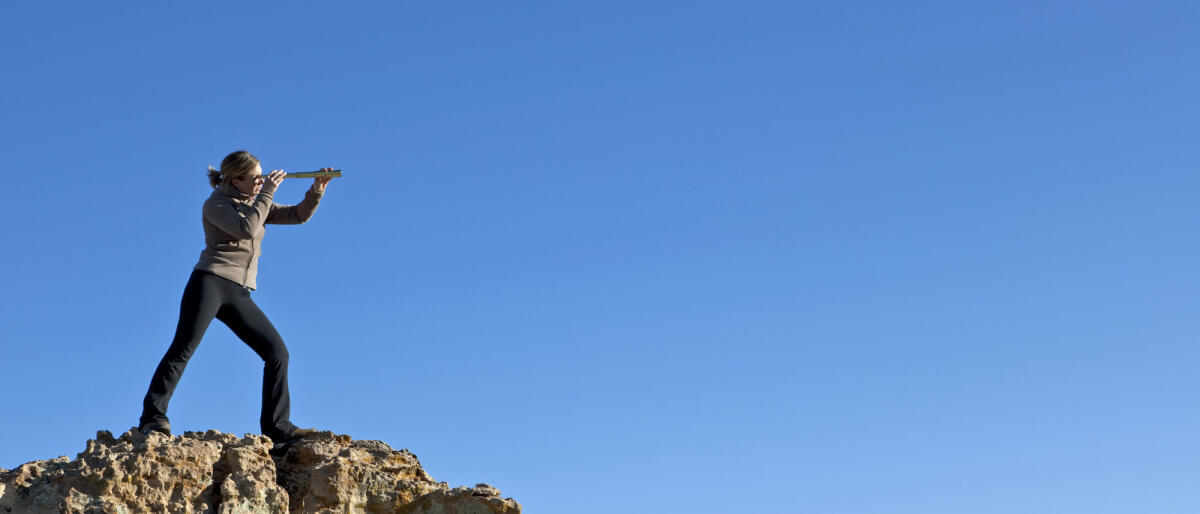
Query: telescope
pixel 313 174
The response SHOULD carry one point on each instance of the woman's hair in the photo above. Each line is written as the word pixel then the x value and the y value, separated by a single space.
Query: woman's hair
pixel 237 164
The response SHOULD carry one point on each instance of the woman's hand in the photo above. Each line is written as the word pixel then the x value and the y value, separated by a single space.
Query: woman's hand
pixel 272 180
pixel 320 182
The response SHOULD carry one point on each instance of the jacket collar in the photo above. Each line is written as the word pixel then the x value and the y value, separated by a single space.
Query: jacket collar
pixel 227 189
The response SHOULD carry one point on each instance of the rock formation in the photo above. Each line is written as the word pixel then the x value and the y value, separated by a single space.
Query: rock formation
pixel 204 472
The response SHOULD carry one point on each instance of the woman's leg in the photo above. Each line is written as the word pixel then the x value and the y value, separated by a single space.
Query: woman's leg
pixel 202 298
pixel 249 323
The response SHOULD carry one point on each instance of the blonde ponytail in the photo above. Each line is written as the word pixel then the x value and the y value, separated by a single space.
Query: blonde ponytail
pixel 214 176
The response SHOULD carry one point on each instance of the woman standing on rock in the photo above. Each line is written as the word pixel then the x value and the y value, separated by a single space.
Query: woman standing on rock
pixel 234 220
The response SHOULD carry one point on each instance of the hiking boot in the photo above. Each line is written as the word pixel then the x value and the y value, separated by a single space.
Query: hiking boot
pixel 161 426
pixel 285 441
pixel 292 435
pixel 301 432
pixel 297 434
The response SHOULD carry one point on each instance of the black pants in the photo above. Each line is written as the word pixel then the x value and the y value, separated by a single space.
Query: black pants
pixel 205 297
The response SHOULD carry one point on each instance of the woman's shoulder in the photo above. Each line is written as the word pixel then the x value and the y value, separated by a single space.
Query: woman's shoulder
pixel 219 199
pixel 215 196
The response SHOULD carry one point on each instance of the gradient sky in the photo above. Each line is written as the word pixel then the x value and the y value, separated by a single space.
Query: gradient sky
pixel 853 257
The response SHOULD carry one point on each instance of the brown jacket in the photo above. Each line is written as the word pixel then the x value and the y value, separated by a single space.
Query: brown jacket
pixel 234 228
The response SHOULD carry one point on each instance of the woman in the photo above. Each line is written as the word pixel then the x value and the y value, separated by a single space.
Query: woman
pixel 234 218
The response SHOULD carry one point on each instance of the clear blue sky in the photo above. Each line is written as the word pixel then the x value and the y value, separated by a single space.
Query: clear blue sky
pixel 852 257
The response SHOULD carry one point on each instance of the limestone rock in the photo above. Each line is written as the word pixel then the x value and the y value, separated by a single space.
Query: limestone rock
pixel 211 472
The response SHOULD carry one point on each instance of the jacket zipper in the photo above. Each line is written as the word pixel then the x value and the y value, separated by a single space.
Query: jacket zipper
pixel 246 273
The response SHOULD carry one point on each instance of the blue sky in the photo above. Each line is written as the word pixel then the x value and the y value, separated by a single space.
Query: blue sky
pixel 923 257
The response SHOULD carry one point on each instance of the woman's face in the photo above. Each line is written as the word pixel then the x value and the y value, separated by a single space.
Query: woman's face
pixel 250 184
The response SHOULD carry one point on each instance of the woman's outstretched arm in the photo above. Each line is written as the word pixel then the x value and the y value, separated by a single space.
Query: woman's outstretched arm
pixel 303 211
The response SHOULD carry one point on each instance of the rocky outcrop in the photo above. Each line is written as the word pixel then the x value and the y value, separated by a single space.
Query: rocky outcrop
pixel 222 473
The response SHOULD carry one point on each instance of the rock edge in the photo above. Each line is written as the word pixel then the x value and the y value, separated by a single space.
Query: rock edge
pixel 222 473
